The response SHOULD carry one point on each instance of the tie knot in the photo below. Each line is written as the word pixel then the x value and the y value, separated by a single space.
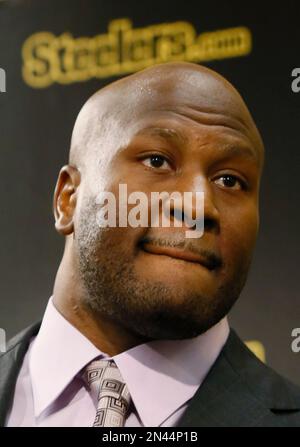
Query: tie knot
pixel 109 392
pixel 94 371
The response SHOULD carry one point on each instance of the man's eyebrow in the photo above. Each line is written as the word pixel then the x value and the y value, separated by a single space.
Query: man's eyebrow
pixel 163 132
pixel 236 150
pixel 228 150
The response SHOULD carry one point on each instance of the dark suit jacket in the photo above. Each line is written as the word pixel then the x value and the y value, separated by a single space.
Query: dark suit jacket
pixel 239 390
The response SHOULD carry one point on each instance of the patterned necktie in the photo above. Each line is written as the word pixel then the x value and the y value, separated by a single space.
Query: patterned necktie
pixel 109 391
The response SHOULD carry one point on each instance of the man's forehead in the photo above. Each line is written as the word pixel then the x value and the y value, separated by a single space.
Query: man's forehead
pixel 172 89
pixel 201 96
pixel 185 89
pixel 184 125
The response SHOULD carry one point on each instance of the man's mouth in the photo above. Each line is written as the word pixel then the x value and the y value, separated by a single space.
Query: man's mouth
pixel 205 259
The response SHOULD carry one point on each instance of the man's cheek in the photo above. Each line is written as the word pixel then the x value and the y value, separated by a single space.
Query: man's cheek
pixel 237 242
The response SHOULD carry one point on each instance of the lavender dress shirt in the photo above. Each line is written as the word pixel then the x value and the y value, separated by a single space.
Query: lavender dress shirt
pixel 162 376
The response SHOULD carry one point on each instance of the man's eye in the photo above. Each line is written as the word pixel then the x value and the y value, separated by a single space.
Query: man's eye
pixel 156 162
pixel 230 181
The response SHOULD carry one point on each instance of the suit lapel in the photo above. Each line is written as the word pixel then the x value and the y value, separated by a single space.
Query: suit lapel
pixel 238 391
pixel 222 401
pixel 10 365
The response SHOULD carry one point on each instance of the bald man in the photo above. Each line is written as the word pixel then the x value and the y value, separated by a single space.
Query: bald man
pixel 136 331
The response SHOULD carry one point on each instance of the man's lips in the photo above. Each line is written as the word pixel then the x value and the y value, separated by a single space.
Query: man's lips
pixel 179 253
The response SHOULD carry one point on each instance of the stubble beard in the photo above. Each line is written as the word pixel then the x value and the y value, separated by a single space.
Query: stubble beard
pixel 148 309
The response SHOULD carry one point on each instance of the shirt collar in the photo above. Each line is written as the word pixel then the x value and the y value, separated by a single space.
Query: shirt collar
pixel 152 371
pixel 169 372
pixel 58 353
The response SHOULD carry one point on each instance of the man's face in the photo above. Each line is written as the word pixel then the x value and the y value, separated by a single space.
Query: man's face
pixel 137 276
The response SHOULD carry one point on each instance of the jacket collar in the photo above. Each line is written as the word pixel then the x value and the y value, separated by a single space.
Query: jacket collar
pixel 10 365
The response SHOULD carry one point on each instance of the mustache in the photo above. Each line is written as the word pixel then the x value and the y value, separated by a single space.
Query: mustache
pixel 212 257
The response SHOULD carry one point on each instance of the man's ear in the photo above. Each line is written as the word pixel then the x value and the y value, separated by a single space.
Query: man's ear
pixel 65 197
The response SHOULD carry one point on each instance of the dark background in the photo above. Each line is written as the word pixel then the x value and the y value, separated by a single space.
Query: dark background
pixel 35 130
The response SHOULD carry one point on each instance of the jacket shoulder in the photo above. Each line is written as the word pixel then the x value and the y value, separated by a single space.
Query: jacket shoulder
pixel 22 338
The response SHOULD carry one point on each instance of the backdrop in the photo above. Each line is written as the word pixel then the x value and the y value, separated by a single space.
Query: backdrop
pixel 57 53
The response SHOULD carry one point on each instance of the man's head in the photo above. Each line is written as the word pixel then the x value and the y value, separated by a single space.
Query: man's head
pixel 172 127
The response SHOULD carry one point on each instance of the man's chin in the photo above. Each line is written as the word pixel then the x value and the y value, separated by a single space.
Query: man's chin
pixel 174 323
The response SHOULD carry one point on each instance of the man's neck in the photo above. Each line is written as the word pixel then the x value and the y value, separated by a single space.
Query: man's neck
pixel 106 334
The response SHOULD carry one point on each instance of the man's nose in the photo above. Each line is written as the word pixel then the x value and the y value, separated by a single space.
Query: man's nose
pixel 196 191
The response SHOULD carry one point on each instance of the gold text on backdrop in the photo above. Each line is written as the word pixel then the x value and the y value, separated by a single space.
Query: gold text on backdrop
pixel 65 59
